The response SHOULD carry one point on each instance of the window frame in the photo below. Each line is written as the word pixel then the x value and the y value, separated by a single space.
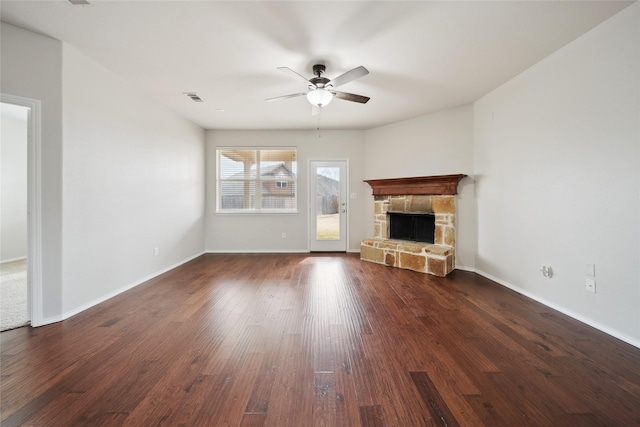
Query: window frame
pixel 259 181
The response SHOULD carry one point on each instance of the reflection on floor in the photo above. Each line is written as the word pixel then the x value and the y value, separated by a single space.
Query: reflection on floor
pixel 13 295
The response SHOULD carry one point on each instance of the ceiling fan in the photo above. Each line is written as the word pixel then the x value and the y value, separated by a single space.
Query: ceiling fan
pixel 321 89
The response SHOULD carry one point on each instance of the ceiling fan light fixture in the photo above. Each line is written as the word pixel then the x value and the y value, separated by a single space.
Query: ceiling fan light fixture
pixel 319 97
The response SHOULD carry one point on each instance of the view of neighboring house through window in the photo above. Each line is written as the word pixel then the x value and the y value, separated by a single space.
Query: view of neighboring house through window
pixel 240 171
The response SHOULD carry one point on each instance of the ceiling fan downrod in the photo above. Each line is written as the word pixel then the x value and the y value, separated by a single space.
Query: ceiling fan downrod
pixel 318 69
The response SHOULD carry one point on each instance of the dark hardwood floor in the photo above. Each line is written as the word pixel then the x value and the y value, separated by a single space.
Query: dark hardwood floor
pixel 317 340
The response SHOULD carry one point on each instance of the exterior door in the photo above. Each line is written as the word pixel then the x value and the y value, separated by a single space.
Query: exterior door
pixel 328 206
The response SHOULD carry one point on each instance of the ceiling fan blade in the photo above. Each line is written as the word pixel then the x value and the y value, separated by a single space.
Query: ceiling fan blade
pixel 293 95
pixel 295 75
pixel 349 76
pixel 351 97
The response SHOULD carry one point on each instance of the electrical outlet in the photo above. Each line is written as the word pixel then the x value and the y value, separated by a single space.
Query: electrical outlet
pixel 156 251
pixel 546 271
pixel 591 284
pixel 284 235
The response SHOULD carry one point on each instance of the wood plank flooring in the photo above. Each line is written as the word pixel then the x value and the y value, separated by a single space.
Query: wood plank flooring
pixel 317 340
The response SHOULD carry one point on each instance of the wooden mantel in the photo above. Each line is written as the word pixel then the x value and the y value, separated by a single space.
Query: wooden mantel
pixel 419 185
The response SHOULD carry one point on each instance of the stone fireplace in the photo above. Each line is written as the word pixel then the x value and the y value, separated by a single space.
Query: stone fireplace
pixel 416 196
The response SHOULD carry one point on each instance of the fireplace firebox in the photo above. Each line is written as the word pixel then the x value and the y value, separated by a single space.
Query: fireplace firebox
pixel 412 227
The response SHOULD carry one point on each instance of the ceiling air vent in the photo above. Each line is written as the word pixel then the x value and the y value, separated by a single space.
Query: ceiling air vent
pixel 79 2
pixel 194 97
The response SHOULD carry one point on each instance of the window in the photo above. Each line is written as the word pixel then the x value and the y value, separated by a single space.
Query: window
pixel 240 171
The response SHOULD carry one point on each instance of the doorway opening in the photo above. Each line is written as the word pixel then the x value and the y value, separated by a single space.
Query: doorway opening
pixel 20 249
pixel 13 217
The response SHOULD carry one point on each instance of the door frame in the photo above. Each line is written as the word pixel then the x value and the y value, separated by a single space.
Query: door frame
pixel 311 191
pixel 34 209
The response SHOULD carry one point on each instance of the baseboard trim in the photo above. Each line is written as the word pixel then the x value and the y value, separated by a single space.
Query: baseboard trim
pixel 609 331
pixel 253 251
pixel 112 294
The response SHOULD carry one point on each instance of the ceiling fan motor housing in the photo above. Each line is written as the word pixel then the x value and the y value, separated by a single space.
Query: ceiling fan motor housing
pixel 319 82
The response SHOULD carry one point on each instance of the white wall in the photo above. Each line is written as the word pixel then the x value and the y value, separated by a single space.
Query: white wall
pixel 133 181
pixel 434 144
pixel 262 233
pixel 557 169
pixel 31 67
pixel 13 206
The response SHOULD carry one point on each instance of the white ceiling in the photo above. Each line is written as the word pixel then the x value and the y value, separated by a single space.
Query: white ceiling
pixel 423 56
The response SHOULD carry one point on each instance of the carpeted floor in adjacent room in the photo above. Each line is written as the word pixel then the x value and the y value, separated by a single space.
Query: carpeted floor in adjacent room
pixel 13 295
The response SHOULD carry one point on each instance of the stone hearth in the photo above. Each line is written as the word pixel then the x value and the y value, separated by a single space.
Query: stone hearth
pixel 435 195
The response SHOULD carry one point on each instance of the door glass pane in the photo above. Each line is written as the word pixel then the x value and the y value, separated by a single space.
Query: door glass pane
pixel 328 203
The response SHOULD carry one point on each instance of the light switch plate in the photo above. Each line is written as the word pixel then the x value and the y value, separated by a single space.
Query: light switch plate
pixel 591 284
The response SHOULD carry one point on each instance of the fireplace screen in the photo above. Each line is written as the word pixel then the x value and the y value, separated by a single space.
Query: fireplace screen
pixel 413 227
